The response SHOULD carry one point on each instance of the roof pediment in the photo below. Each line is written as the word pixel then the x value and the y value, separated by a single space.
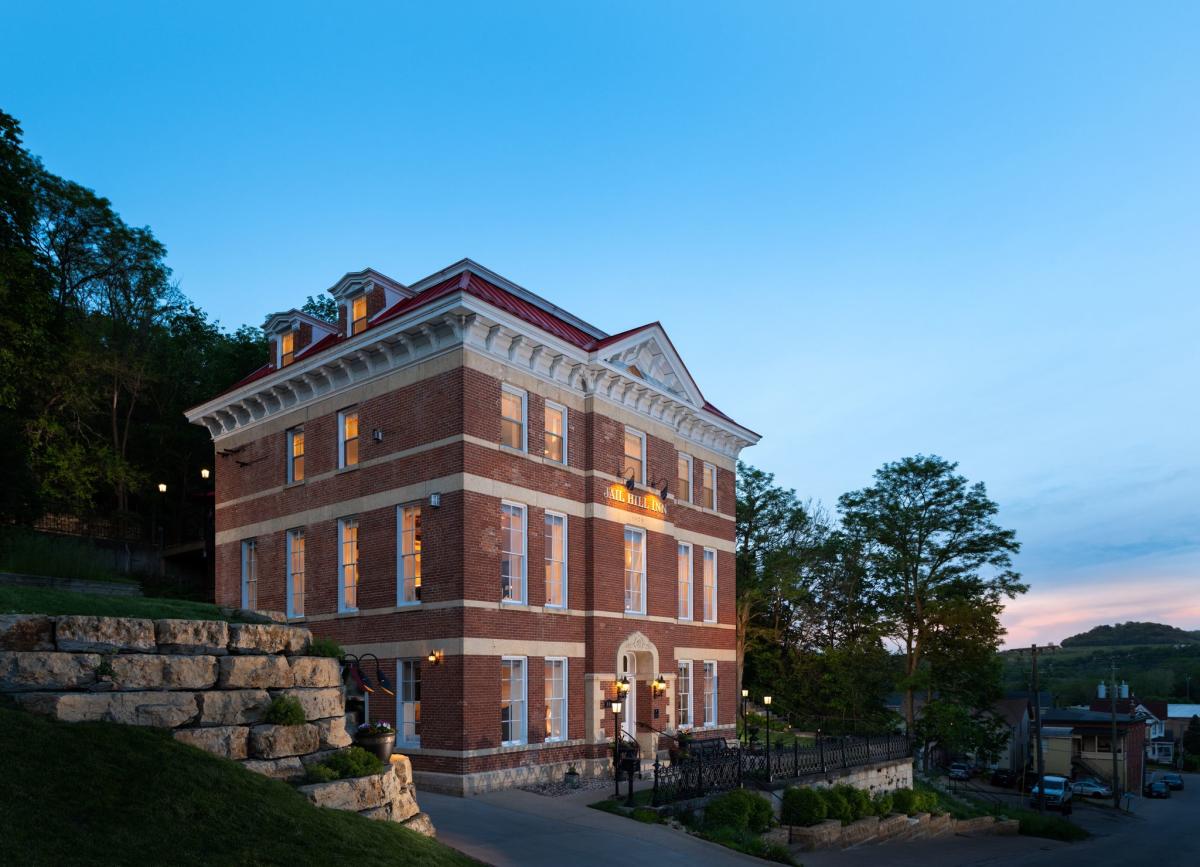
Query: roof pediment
pixel 368 278
pixel 288 320
pixel 647 353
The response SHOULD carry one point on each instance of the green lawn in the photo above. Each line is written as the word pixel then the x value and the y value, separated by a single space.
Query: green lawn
pixel 106 794
pixel 30 553
pixel 39 600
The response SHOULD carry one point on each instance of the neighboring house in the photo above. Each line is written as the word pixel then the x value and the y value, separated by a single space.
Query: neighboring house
pixel 1160 746
pixel 1178 718
pixel 1018 717
pixel 515 512
pixel 1079 742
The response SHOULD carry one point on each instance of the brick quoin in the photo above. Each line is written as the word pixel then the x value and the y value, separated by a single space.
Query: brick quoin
pixel 440 431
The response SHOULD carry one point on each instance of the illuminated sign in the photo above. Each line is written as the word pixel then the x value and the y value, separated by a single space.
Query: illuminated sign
pixel 619 493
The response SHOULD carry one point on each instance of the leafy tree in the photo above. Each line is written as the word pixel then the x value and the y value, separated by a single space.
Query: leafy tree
pixel 1191 737
pixel 934 549
pixel 323 307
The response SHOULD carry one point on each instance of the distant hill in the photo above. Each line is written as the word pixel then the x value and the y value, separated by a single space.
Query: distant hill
pixel 1132 633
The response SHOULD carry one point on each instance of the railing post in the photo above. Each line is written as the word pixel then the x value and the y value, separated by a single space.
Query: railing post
pixel 739 776
pixel 844 765
pixel 700 771
pixel 656 767
pixel 868 749
pixel 796 757
pixel 821 749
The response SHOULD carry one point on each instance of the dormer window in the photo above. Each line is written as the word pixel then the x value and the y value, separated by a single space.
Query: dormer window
pixel 358 315
pixel 287 343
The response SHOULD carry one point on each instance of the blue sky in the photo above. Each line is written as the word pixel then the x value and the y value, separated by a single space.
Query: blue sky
pixel 872 229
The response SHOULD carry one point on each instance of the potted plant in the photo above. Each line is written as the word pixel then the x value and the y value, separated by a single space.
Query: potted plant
pixel 571 777
pixel 378 738
pixel 683 741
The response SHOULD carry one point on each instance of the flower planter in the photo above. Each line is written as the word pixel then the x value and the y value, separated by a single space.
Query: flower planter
pixel 571 778
pixel 380 745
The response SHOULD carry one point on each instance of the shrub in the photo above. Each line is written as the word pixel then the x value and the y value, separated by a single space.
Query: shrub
pixel 927 801
pixel 803 807
pixel 750 844
pixel 354 762
pixel 836 805
pixel 730 810
pixel 882 804
pixel 1053 827
pixel 285 711
pixel 859 801
pixel 905 801
pixel 326 647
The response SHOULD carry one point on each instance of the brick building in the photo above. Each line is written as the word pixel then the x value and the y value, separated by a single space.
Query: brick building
pixel 512 510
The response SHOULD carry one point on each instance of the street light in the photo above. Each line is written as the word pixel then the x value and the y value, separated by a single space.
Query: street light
pixel 767 703
pixel 162 487
pixel 205 473
pixel 616 707
pixel 745 723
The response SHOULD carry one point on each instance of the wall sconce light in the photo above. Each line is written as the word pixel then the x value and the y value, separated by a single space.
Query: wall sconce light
pixel 162 487
pixel 659 685
pixel 435 657
pixel 662 492
pixel 377 435
pixel 435 500
pixel 205 473
pixel 622 686
pixel 629 484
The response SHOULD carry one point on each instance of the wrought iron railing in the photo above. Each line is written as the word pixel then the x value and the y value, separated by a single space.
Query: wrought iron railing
pixel 704 772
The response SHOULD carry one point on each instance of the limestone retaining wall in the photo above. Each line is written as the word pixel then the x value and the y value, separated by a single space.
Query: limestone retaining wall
pixel 832 834
pixel 210 681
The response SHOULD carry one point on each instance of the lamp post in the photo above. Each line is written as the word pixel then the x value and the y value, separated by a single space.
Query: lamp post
pixel 745 723
pixel 767 704
pixel 616 706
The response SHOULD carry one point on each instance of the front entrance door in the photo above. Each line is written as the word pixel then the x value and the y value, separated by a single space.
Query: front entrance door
pixel 629 724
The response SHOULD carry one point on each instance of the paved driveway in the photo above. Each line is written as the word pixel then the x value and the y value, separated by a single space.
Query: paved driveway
pixel 527 830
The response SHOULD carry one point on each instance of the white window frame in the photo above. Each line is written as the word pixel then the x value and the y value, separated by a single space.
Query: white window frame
pixel 566 714
pixel 710 590
pixel 524 397
pixel 712 500
pixel 249 572
pixel 710 720
pixel 689 681
pixel 291 454
pixel 351 318
pixel 402 576
pixel 343 523
pixel 524 598
pixel 680 613
pixel 343 440
pixel 687 459
pixel 292 536
pixel 557 516
pixel 638 531
pixel 642 437
pixel 402 722
pixel 524 739
pixel 279 363
pixel 551 406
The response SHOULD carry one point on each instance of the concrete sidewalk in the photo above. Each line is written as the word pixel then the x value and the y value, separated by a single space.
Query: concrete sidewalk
pixel 522 829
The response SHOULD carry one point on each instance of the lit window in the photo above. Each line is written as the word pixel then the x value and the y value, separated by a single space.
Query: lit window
pixel 512 418
pixel 347 437
pixel 348 564
pixel 408 702
pixel 683 485
pixel 512 701
pixel 556 560
pixel 555 447
pixel 683 695
pixel 684 580
pixel 635 570
pixel 250 574
pixel 710 694
pixel 295 467
pixel 409 579
pixel 708 493
pixel 295 573
pixel 512 556
pixel 635 456
pixel 358 309
pixel 710 585
pixel 287 342
pixel 556 699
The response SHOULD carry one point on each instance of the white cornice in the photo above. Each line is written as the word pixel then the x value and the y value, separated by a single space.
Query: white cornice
pixel 461 319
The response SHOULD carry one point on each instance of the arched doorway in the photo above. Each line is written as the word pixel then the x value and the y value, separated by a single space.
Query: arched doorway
pixel 637 660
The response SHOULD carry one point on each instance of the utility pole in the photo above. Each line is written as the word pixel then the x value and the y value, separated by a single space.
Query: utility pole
pixel 1116 781
pixel 1039 801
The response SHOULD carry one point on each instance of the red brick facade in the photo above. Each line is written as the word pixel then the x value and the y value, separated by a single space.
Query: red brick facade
pixel 439 435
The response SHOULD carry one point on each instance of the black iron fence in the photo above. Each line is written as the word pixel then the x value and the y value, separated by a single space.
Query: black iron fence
pixel 706 771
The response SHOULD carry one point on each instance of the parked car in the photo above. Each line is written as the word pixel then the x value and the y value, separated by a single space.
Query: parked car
pixel 1156 789
pixel 1091 788
pixel 1173 780
pixel 959 771
pixel 1003 778
pixel 1055 791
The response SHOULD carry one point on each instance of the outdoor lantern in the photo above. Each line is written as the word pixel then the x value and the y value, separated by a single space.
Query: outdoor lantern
pixel 745 693
pixel 629 483
pixel 659 684
pixel 616 706
pixel 162 487
pixel 435 657
pixel 623 685
pixel 767 700
pixel 205 473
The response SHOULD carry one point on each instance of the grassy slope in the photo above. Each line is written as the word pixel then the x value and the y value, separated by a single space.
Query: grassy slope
pixel 37 600
pixel 105 794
